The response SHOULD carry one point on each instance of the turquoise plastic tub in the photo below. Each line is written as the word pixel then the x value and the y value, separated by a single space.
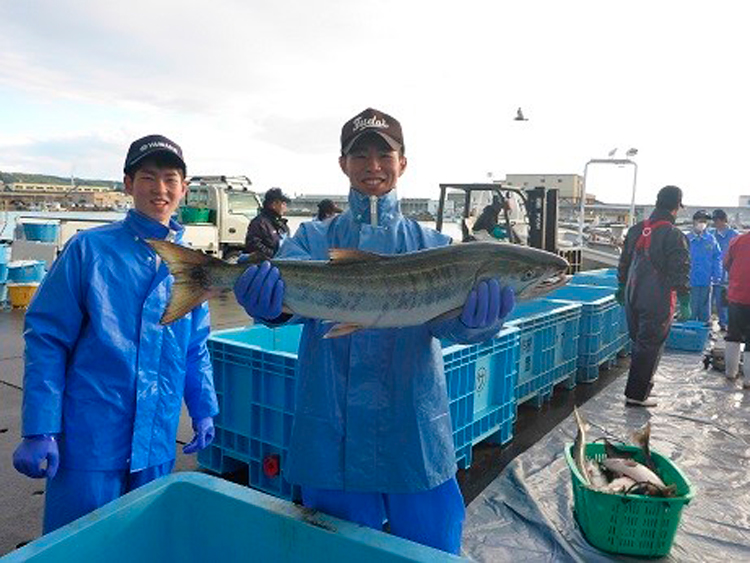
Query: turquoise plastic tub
pixel 41 232
pixel 690 336
pixel 192 517
pixel 26 271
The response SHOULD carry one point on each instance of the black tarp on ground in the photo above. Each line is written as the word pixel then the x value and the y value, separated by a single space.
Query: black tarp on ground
pixel 702 424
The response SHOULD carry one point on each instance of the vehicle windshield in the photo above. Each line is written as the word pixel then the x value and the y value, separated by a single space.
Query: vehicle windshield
pixel 243 203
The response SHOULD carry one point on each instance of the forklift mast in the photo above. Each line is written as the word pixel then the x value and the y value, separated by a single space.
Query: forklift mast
pixel 540 204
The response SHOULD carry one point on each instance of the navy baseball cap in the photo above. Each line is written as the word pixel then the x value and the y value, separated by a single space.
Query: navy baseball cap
pixel 151 145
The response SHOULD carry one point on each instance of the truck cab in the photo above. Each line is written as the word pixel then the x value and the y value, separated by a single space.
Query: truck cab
pixel 216 213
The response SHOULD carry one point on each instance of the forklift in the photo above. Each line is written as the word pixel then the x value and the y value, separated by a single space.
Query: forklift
pixel 541 209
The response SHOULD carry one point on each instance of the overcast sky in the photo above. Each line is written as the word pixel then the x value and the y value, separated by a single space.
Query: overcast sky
pixel 262 89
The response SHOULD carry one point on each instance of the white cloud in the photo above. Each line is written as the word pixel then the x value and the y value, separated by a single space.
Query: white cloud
pixel 261 88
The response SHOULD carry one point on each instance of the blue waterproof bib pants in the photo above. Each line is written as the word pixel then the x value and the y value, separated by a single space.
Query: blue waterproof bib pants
pixel 73 493
pixel 434 517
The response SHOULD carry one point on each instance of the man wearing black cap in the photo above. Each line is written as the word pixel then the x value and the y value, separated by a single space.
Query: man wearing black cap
pixel 654 273
pixel 269 228
pixel 327 209
pixel 705 266
pixel 724 235
pixel 104 380
pixel 372 437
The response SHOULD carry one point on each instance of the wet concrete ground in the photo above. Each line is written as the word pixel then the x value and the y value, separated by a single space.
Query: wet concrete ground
pixel 22 499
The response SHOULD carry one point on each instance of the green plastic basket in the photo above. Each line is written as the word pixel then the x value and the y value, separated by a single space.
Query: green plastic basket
pixel 195 215
pixel 629 524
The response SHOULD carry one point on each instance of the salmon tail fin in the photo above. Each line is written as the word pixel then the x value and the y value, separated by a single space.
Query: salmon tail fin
pixel 191 285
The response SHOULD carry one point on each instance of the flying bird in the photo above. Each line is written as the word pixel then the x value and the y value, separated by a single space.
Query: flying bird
pixel 631 152
pixel 519 116
pixel 612 153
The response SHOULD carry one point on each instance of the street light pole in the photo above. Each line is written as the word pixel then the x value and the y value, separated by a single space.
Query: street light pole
pixel 618 162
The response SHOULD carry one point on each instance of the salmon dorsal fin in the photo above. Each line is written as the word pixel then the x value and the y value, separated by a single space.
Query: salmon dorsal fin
pixel 352 256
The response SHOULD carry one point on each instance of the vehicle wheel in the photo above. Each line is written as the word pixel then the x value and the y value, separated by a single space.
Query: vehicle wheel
pixel 232 255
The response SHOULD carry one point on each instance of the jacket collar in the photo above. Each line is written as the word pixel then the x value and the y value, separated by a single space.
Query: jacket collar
pixel 146 227
pixel 388 208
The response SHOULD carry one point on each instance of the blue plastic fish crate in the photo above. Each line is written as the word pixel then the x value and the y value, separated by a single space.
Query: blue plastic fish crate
pixel 548 347
pixel 4 254
pixel 481 381
pixel 690 336
pixel 255 371
pixel 601 336
pixel 26 271
pixel 197 518
pixel 42 231
pixel 254 375
pixel 3 272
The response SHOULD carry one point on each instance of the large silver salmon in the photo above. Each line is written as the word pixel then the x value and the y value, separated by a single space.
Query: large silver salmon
pixel 358 289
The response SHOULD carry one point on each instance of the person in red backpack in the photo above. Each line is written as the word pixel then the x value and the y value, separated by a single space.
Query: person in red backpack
pixel 737 263
pixel 653 275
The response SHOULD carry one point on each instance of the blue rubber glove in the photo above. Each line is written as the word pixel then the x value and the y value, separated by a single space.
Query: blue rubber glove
pixel 204 435
pixel 487 304
pixel 260 291
pixel 32 452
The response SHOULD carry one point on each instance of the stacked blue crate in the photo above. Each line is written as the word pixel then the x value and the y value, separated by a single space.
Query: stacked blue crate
pixel 548 347
pixel 481 380
pixel 254 374
pixel 600 333
pixel 606 278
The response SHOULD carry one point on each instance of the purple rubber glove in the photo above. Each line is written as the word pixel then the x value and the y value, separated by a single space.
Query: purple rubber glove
pixel 260 291
pixel 487 304
pixel 32 452
pixel 204 435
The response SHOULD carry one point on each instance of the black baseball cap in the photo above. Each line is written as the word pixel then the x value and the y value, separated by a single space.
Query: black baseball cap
pixel 701 215
pixel 669 197
pixel 275 194
pixel 151 145
pixel 327 206
pixel 719 214
pixel 368 122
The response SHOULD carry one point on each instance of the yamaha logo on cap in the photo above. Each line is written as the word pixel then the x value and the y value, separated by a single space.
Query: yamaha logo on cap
pixel 151 145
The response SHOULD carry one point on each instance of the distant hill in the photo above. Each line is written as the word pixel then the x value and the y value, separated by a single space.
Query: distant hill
pixel 13 177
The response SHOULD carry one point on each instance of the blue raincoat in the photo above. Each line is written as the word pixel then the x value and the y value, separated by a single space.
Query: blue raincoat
pixel 705 259
pixel 372 407
pixel 724 238
pixel 100 370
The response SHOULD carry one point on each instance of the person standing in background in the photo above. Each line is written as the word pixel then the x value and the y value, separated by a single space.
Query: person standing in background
pixel 653 273
pixel 724 235
pixel 327 209
pixel 737 263
pixel 705 266
pixel 269 228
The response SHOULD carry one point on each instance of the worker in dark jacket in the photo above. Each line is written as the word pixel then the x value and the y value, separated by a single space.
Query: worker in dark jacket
pixel 654 273
pixel 269 228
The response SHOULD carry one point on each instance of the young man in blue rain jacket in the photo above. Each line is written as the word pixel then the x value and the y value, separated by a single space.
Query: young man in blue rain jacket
pixel 724 235
pixel 104 380
pixel 372 437
pixel 705 266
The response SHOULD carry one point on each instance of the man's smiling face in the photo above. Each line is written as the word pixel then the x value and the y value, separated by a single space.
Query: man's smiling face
pixel 372 166
pixel 156 191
